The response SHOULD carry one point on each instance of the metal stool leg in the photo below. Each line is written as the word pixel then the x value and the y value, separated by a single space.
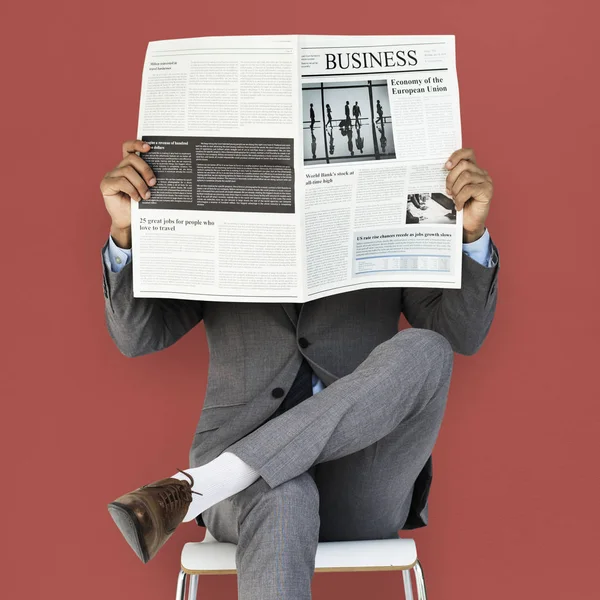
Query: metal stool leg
pixel 192 587
pixel 408 592
pixel 420 579
pixel 180 594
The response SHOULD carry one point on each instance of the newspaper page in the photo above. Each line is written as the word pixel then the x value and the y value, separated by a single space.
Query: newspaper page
pixel 295 167
pixel 220 115
pixel 380 118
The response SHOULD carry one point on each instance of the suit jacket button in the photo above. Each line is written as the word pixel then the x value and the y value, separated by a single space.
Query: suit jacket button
pixel 304 343
pixel 277 393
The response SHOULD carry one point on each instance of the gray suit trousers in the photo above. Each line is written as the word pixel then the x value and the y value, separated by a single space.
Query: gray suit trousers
pixel 339 466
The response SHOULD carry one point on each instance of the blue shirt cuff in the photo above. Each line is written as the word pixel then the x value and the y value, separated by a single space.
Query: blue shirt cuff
pixel 480 250
pixel 116 258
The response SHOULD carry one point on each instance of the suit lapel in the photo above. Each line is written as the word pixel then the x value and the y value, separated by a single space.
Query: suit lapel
pixel 291 312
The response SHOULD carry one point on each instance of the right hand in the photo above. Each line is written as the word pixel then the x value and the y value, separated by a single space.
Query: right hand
pixel 130 180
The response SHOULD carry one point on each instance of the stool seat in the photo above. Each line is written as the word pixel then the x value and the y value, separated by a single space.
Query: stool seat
pixel 210 557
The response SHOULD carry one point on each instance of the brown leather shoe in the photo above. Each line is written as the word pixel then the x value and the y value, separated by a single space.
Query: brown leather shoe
pixel 148 516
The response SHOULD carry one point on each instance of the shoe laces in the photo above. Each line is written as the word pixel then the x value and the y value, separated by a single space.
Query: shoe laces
pixel 175 496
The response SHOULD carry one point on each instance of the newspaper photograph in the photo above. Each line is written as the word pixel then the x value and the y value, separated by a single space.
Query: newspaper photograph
pixel 291 168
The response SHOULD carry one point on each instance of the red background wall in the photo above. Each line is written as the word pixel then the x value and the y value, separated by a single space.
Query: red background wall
pixel 514 509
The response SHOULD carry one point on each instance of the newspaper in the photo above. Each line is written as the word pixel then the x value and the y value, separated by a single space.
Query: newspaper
pixel 290 168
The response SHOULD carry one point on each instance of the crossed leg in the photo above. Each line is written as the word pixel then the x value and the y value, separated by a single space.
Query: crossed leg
pixel 339 466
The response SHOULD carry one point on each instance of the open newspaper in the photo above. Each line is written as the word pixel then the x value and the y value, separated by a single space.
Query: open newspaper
pixel 291 168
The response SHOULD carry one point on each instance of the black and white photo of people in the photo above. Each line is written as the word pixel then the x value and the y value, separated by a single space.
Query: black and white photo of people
pixel 346 122
pixel 429 209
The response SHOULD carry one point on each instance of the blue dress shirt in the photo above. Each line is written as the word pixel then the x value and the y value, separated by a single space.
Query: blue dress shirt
pixel 116 258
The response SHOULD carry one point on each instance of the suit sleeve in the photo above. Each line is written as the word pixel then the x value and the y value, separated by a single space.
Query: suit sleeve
pixel 462 316
pixel 140 326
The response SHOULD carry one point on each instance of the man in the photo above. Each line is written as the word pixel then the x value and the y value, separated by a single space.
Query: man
pixel 319 419
pixel 379 110
pixel 312 117
pixel 347 113
pixel 328 108
pixel 356 115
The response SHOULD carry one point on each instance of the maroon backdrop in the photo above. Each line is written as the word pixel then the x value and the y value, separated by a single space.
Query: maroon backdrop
pixel 515 499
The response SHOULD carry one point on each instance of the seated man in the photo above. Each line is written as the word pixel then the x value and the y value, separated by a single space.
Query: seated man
pixel 319 419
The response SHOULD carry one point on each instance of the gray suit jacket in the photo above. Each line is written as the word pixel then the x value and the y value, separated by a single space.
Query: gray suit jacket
pixel 255 349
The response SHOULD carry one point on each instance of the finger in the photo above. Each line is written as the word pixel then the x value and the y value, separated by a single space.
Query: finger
pixel 475 191
pixel 463 196
pixel 466 178
pixel 461 167
pixel 135 146
pixel 112 186
pixel 135 179
pixel 458 155
pixel 141 166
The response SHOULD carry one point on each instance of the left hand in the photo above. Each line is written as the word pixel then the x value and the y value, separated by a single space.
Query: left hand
pixel 472 189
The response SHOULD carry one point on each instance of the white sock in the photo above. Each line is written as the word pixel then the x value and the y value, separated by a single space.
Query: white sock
pixel 221 478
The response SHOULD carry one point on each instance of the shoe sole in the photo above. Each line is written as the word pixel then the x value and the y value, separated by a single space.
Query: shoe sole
pixel 128 525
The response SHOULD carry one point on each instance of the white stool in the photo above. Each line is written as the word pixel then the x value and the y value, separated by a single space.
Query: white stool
pixel 210 557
